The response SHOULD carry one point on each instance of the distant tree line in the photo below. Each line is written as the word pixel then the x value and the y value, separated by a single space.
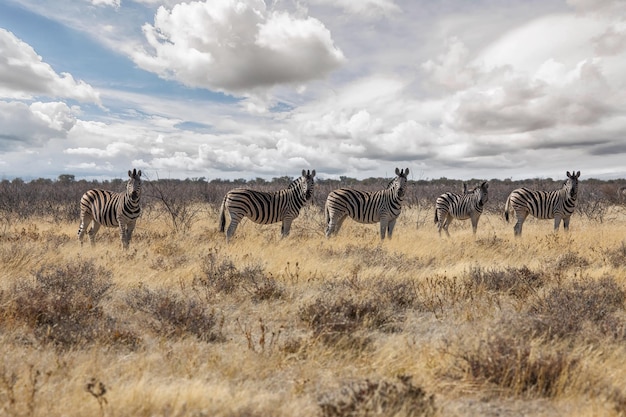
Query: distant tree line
pixel 59 199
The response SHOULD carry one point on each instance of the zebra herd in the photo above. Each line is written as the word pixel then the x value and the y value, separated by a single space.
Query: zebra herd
pixel 106 208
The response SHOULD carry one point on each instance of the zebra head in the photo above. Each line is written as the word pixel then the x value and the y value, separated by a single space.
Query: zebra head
pixel 571 185
pixel 398 184
pixel 133 186
pixel 305 184
pixel 482 194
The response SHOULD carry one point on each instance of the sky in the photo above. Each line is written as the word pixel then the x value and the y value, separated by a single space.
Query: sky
pixel 261 89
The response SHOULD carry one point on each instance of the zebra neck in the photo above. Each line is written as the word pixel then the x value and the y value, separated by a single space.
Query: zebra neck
pixel 296 195
pixel 128 201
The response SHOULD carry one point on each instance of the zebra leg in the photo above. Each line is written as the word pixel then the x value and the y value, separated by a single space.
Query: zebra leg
pixel 566 224
pixel 85 221
pixel 383 228
pixel 234 222
pixel 286 227
pixel 334 225
pixel 92 232
pixel 474 223
pixel 557 223
pixel 447 219
pixel 521 216
pixel 390 227
pixel 440 220
pixel 129 232
pixel 123 235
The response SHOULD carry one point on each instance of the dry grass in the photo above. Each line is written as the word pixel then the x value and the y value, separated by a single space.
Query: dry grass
pixel 184 325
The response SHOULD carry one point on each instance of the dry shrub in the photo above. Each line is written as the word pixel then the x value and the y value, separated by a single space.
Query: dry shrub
pixel 63 306
pixel 366 397
pixel 221 276
pixel 343 310
pixel 570 260
pixel 174 315
pixel 337 321
pixel 617 257
pixel 169 255
pixel 374 256
pixel 401 294
pixel 518 282
pixel 565 311
pixel 511 363
pixel 438 293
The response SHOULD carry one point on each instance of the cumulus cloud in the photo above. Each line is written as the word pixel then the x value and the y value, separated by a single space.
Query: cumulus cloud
pixel 236 46
pixel 25 126
pixel 451 69
pixel 24 75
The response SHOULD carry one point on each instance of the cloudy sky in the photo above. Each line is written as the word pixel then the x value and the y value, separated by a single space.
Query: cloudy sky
pixel 252 88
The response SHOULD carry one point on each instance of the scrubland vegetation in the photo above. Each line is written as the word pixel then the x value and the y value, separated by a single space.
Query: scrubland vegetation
pixel 184 325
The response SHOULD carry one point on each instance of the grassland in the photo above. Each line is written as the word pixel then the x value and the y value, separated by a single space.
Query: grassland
pixel 184 325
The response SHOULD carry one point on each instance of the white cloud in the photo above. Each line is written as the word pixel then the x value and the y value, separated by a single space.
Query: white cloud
pixel 57 115
pixel 236 46
pixel 112 3
pixel 452 69
pixel 365 8
pixel 25 126
pixel 24 75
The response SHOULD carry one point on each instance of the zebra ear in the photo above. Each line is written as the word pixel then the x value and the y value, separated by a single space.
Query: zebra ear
pixel 485 184
pixel 130 173
pixel 304 173
pixel 406 172
pixel 312 173
pixel 397 171
pixel 578 174
pixel 139 173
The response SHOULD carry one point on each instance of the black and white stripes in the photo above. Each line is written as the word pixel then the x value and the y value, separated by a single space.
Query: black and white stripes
pixel 468 205
pixel 109 209
pixel 558 205
pixel 265 208
pixel 382 206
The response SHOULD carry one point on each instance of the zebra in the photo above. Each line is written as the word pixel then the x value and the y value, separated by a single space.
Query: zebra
pixel 367 207
pixel 266 208
pixel 468 205
pixel 109 209
pixel 557 205
pixel 621 194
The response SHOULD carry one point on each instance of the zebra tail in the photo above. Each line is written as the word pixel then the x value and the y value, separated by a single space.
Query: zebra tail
pixel 326 215
pixel 436 217
pixel 223 215
pixel 506 208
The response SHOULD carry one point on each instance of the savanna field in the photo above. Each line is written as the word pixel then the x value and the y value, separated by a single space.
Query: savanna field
pixel 183 324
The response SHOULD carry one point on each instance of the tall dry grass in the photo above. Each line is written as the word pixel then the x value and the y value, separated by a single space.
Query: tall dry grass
pixel 184 325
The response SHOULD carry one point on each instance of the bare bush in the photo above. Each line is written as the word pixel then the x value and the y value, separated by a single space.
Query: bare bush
pixel 175 316
pixel 617 257
pixel 221 276
pixel 337 318
pixel 566 310
pixel 518 282
pixel 438 293
pixel 63 306
pixel 514 364
pixel 366 397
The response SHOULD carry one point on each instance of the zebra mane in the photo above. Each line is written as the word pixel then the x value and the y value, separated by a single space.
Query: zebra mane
pixel 296 183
